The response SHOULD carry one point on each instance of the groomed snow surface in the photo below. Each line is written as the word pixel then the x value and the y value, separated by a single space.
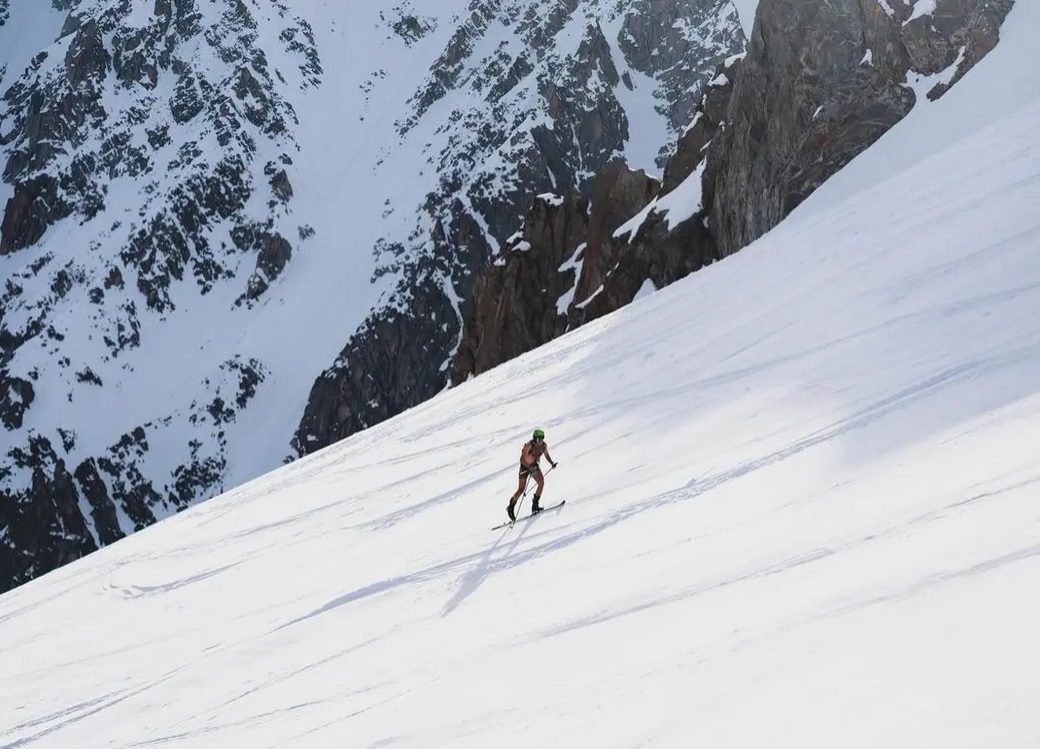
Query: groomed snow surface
pixel 801 511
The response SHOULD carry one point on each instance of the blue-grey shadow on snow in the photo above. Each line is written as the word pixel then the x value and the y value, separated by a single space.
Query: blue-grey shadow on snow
pixel 477 565
pixel 398 516
pixel 479 572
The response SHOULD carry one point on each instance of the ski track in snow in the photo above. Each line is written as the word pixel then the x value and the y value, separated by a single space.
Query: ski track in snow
pixel 799 482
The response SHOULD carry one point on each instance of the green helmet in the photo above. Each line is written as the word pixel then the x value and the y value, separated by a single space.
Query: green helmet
pixel 539 434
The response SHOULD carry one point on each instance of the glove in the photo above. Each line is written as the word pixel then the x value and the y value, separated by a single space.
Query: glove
pixel 553 465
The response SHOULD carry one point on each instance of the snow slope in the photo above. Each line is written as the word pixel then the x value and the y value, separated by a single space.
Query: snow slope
pixel 801 511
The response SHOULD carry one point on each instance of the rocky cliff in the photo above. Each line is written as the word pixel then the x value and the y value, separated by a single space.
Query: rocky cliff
pixel 818 84
pixel 821 83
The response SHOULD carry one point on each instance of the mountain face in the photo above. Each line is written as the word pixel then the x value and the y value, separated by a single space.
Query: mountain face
pixel 819 83
pixel 552 103
pixel 211 209
pixel 147 154
pixel 235 233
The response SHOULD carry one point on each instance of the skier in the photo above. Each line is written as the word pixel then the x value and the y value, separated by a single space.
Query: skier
pixel 530 454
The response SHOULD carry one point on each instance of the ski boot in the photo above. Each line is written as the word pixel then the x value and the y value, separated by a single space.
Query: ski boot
pixel 535 509
pixel 511 510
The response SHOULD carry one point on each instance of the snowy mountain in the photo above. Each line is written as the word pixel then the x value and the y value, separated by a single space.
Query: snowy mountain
pixel 211 209
pixel 234 234
pixel 801 511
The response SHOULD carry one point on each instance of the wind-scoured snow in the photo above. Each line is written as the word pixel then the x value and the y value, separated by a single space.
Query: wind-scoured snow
pixel 801 510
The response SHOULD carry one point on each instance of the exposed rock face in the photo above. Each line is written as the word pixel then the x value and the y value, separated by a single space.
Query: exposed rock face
pixel 571 264
pixel 820 84
pixel 44 527
pixel 16 395
pixel 666 237
pixel 936 41
pixel 514 302
pixel 275 253
pixel 704 124
pixel 35 205
pixel 399 353
pixel 657 254
pixel 616 196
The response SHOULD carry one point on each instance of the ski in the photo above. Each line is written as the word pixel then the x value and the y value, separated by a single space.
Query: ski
pixel 510 523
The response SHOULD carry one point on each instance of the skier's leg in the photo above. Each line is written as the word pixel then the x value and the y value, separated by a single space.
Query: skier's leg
pixel 510 508
pixel 519 489
pixel 540 479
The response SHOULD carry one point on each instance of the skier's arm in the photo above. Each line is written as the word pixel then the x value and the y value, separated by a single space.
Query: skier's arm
pixel 547 455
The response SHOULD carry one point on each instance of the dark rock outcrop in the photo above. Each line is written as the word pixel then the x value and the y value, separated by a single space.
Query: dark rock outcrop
pixel 617 195
pixel 102 508
pixel 275 253
pixel 822 82
pixel 398 354
pixel 704 124
pixel 16 395
pixel 514 302
pixel 43 527
pixel 407 24
pixel 658 254
pixel 668 40
pixel 34 206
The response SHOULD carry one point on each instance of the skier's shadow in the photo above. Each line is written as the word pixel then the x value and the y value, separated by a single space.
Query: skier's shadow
pixel 484 566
